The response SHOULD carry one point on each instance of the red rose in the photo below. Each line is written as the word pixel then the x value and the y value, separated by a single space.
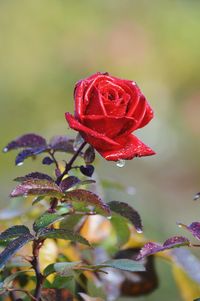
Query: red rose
pixel 107 111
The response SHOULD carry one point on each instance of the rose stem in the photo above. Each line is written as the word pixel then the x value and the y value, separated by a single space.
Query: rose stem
pixel 69 164
pixel 37 244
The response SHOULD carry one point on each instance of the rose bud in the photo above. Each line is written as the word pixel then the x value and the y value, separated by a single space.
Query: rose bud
pixel 107 111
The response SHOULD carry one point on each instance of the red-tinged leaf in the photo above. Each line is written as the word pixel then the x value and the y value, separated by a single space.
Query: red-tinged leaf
pixel 28 140
pixel 69 182
pixel 37 187
pixel 29 152
pixel 87 198
pixel 128 212
pixel 194 228
pixel 152 248
pixel 34 175
pixel 62 144
pixel 89 155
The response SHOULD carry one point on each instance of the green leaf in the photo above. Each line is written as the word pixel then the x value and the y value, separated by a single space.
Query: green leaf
pixel 14 232
pixel 80 199
pixel 37 187
pixel 13 247
pixel 128 212
pixel 121 228
pixel 63 234
pixel 46 220
pixel 124 264
pixel 66 268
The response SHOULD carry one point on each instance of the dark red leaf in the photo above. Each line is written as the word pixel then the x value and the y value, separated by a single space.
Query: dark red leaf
pixel 194 228
pixel 69 182
pixel 87 198
pixel 62 143
pixel 28 140
pixel 37 187
pixel 34 175
pixel 29 153
pixel 47 161
pixel 87 170
pixel 152 248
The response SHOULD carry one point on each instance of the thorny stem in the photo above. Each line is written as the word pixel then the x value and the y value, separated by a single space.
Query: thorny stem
pixel 70 163
pixel 37 244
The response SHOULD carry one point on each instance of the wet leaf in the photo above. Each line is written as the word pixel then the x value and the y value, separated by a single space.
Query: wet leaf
pixel 87 170
pixel 62 144
pixel 152 247
pixel 63 234
pixel 37 187
pixel 84 198
pixel 28 140
pixel 69 182
pixel 89 155
pixel 13 247
pixel 14 232
pixel 128 212
pixel 34 175
pixel 194 228
pixel 46 220
pixel 29 152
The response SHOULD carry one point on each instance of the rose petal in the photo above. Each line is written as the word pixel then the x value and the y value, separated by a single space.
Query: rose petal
pixel 131 147
pixel 94 138
pixel 109 125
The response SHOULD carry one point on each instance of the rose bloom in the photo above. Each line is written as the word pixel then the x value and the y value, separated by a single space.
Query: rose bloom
pixel 107 110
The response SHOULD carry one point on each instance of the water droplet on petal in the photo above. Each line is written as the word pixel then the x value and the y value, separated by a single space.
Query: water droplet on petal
pixel 20 163
pixel 5 150
pixel 77 142
pixel 109 217
pixel 139 230
pixel 120 163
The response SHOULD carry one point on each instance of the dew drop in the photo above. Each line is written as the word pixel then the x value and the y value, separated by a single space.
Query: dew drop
pixel 77 142
pixel 139 231
pixel 109 217
pixel 5 150
pixel 120 163
pixel 20 163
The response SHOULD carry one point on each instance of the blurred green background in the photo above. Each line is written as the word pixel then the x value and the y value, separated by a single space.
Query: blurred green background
pixel 46 46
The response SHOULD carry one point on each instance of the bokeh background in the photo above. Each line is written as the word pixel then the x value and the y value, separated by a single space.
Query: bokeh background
pixel 46 46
